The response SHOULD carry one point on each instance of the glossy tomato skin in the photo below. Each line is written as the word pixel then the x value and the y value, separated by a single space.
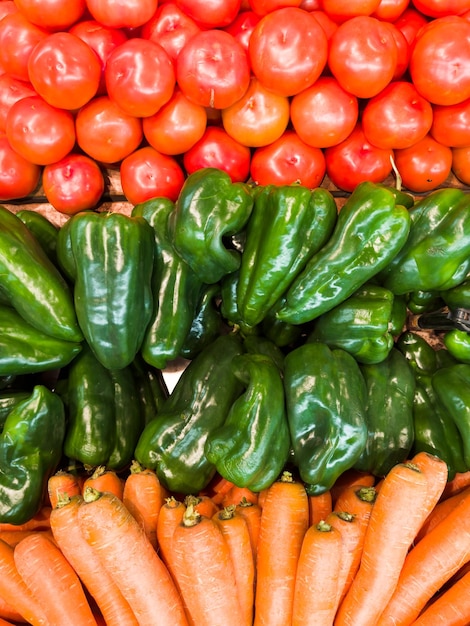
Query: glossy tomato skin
pixel 451 124
pixel 390 10
pixel 11 90
pixel 242 27
pixel 436 8
pixel 122 13
pixel 72 184
pixel 147 174
pixel 410 22
pixel 424 166
pixel 262 7
pixel 342 10
pixel 7 7
pixel 18 176
pixel 403 51
pixel 210 13
pixel 53 15
pixel 18 37
pixel 461 164
pixel 286 161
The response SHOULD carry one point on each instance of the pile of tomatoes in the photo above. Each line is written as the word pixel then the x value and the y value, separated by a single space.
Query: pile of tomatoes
pixel 273 91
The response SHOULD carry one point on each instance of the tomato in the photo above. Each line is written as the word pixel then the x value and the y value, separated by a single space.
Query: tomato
pixel 139 77
pixel 147 174
pixel 424 166
pixel 211 13
pixel 102 40
pixel 171 28
pixel 461 164
pixel 437 8
pixel 217 149
pixel 7 7
pixel 18 38
pixel 38 131
pixel 440 61
pixel 52 15
pixel 451 124
pixel 242 27
pixel 213 69
pixel 410 22
pixel 310 5
pixel 288 50
pixel 363 56
pixel 397 117
pixel 324 114
pixel 403 51
pixel 328 25
pixel 342 10
pixel 262 7
pixel 355 160
pixel 286 161
pixel 105 132
pixel 390 10
pixel 122 13
pixel 18 176
pixel 177 126
pixel 11 90
pixel 258 118
pixel 72 184
pixel 64 70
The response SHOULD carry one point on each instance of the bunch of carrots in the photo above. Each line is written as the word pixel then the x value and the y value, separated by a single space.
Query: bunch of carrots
pixel 107 550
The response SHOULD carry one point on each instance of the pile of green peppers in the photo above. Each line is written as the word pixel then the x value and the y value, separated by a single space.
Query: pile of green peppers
pixel 291 318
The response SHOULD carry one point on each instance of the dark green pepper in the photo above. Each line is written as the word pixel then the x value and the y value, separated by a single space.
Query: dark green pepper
pixel 257 344
pixel 325 399
pixel 459 296
pixel 370 230
pixel 209 209
pixel 252 446
pixel 44 230
pixel 173 443
pixel 424 301
pixel 8 399
pixel 151 387
pixel 457 343
pixel 419 353
pixel 399 315
pixel 229 305
pixel 207 322
pixel 30 450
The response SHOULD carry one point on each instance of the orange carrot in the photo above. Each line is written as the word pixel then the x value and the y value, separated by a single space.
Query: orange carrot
pixel 53 581
pixel 218 487
pixel 436 471
pixel 13 537
pixel 40 521
pixel 284 521
pixel 394 521
pixel 14 591
pixel 144 496
pixel 171 514
pixel 62 483
pixel 320 506
pixel 8 613
pixel 252 514
pixel 130 559
pixel 351 478
pixel 4 622
pixel 440 511
pixel 316 583
pixel 237 494
pixel 357 500
pixel 85 561
pixel 204 505
pixel 459 481
pixel 451 608
pixel 105 480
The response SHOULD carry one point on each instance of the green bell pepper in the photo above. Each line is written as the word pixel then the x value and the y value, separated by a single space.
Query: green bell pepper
pixel 424 301
pixel 457 297
pixel 457 343
pixel 151 387
pixel 207 322
pixel 8 399
pixel 258 344
pixel 45 231
pixel 419 353
pixel 229 305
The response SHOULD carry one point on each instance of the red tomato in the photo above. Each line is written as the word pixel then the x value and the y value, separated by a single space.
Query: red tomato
pixel 437 8
pixel 64 70
pixel 342 10
pixel 213 69
pixel 211 13
pixel 288 50
pixel 397 117
pixel 242 27
pixel 461 164
pixel 102 40
pixel 122 13
pixel 18 176
pixel 355 160
pixel 177 126
pixel 403 51
pixel 171 28
pixel 105 132
pixel 328 25
pixel 363 56
pixel 18 37
pixel 217 149
pixel 7 7
pixel 258 118
pixel 440 61
pixel 286 161
pixel 451 124
pixel 262 7
pixel 139 77
pixel 72 184
pixel 410 22
pixel 52 14
pixel 38 131
pixel 424 166
pixel 11 90
pixel 324 114
pixel 390 10
pixel 147 174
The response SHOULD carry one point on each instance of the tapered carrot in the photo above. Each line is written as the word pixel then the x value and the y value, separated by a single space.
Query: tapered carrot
pixel 85 561
pixel 4 622
pixel 394 521
pixel 451 608
pixel 53 581
pixel 237 494
pixel 105 480
pixel 316 583
pixel 357 500
pixel 204 505
pixel 171 514
pixel 8 613
pixel 40 521
pixel 435 469
pixel 440 511
pixel 351 478
pixel 218 487
pixel 429 565
pixel 252 514
pixel 284 521
pixel 13 537
pixel 14 591
pixel 144 495
pixel 459 481
pixel 320 506
pixel 62 483
pixel 130 559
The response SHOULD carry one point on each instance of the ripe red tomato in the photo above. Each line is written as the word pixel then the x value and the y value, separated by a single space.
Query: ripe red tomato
pixel 213 69
pixel 38 131
pixel 451 124
pixel 171 28
pixel 461 164
pixel 288 50
pixel 64 70
pixel 363 56
pixel 261 7
pixel 122 13
pixel 410 22
pixel 72 184
pixel 18 37
pixel 328 25
pixel 147 174
pixel 258 118
pixel 11 90
pixel 242 27
pixel 105 132
pixel 355 160
pixel 18 176
pixel 403 51
pixel 437 8
pixel 286 161
pixel 424 166
pixel 7 7
pixel 324 114
pixel 217 149
pixel 53 15
pixel 342 10
pixel 390 10
pixel 211 13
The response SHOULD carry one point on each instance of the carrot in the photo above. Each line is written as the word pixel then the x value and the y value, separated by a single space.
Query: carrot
pixel 13 537
pixel 394 521
pixel 218 487
pixel 53 581
pixel 144 496
pixel 237 494
pixel 357 500
pixel 61 483
pixel 4 622
pixel 14 592
pixel 171 514
pixel 451 608
pixel 440 511
pixel 105 480
pixel 436 471
pixel 429 565
pixel 204 505
pixel 252 514
pixel 459 481
pixel 85 561
pixel 351 478
pixel 320 506
pixel 203 569
pixel 130 559
pixel 316 582
pixel 284 521
pixel 8 613
pixel 40 521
